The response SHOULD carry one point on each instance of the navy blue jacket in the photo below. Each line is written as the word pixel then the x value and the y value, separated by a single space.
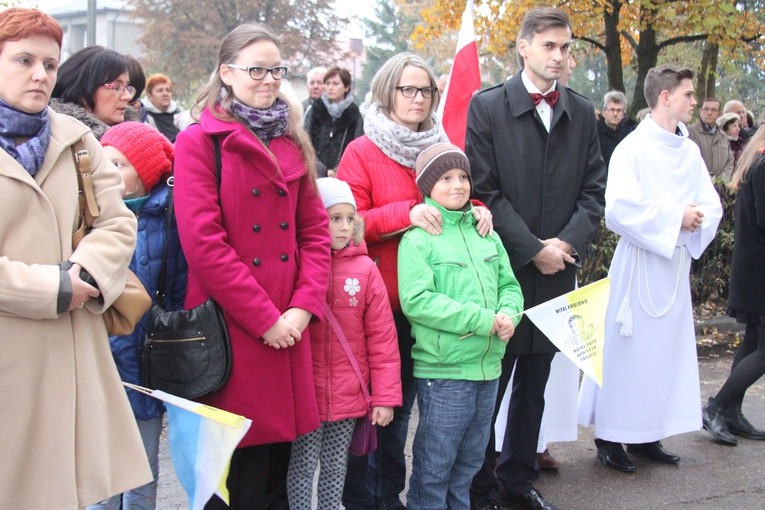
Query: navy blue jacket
pixel 146 264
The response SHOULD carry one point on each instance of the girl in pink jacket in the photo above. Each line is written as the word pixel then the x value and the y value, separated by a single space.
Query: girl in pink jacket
pixel 359 301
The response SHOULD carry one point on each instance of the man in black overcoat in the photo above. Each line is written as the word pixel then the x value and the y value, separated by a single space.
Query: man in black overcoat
pixel 539 168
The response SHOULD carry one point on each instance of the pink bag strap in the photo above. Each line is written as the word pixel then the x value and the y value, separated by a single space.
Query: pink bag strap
pixel 347 348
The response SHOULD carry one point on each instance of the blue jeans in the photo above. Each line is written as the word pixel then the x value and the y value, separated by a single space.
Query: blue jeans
pixel 376 481
pixel 144 497
pixel 451 438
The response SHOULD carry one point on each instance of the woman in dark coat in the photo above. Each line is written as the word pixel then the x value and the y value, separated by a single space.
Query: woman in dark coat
pixel 333 120
pixel 722 416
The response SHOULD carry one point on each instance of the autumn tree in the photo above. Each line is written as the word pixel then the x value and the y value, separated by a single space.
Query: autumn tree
pixel 181 38
pixel 628 33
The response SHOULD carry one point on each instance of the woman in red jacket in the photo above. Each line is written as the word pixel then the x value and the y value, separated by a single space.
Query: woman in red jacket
pixel 257 242
pixel 379 167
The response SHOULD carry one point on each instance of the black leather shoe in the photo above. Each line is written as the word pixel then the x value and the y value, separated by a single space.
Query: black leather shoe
pixel 714 423
pixel 654 451
pixel 531 500
pixel 613 456
pixel 738 424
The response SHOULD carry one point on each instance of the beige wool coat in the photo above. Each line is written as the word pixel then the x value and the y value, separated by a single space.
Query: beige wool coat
pixel 67 435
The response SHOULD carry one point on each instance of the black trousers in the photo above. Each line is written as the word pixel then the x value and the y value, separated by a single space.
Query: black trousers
pixel 257 479
pixel 516 467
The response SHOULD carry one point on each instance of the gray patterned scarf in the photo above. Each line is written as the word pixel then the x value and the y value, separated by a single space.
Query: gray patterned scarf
pixel 398 142
pixel 266 123
pixel 34 127
pixel 336 110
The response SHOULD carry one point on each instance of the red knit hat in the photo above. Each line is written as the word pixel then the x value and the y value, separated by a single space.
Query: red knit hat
pixel 150 153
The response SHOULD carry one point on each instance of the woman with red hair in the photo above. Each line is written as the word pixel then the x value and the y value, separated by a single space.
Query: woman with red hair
pixel 68 436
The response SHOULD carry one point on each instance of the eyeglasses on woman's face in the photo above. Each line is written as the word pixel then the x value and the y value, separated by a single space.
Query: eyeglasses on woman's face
pixel 410 92
pixel 119 88
pixel 259 72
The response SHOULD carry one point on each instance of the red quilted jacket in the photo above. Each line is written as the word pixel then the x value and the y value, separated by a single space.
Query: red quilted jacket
pixel 358 299
pixel 385 191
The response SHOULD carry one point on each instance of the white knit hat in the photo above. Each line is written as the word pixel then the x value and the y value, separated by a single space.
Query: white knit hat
pixel 334 191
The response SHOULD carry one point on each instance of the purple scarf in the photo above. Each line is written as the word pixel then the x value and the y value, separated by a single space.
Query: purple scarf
pixel 35 127
pixel 266 123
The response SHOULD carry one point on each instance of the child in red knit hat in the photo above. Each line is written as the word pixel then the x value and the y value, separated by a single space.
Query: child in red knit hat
pixel 145 159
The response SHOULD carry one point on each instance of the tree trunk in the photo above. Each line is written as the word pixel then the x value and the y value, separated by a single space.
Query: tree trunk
pixel 613 46
pixel 705 81
pixel 647 56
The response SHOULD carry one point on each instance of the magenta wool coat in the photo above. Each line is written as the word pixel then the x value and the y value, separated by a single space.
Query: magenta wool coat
pixel 266 249
pixel 360 303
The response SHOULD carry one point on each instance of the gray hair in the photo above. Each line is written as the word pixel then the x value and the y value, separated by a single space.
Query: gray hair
pixel 614 96
pixel 320 70
pixel 387 77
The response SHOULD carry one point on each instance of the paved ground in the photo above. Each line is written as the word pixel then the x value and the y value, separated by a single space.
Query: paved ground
pixel 710 476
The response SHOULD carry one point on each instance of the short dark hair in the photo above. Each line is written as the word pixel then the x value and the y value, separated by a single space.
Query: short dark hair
pixel 137 76
pixel 85 71
pixel 664 77
pixel 712 100
pixel 539 20
pixel 343 74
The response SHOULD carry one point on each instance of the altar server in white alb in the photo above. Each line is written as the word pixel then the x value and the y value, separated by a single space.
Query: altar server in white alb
pixel 661 201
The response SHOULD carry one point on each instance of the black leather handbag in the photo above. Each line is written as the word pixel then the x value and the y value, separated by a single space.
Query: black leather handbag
pixel 186 353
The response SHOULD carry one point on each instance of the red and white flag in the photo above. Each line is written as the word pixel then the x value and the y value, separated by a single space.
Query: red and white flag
pixel 464 81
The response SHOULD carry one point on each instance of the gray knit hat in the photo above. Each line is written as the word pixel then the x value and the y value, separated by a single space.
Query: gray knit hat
pixel 333 191
pixel 435 161
pixel 726 118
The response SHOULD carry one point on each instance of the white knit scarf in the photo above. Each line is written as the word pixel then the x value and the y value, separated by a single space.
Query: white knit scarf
pixel 398 142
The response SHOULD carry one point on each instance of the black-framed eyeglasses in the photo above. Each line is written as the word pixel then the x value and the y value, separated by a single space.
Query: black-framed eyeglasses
pixel 260 72
pixel 119 88
pixel 409 91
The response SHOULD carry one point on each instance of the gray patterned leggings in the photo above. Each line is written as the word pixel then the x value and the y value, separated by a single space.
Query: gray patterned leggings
pixel 329 443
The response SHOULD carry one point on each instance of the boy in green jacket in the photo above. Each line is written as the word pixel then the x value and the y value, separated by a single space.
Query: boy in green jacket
pixel 463 301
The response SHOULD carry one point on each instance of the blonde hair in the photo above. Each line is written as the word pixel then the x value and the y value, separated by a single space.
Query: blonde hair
pixel 220 107
pixel 749 157
pixel 358 229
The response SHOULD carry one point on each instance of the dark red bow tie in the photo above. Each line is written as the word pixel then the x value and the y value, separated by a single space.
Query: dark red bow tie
pixel 550 97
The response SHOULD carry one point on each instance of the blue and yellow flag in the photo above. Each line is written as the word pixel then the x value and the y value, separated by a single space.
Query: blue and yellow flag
pixel 202 440
pixel 575 324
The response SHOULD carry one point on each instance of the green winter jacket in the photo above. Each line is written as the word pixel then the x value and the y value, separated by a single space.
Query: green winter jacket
pixel 452 285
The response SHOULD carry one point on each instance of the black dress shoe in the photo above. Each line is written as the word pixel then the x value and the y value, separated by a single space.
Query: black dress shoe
pixel 714 423
pixel 740 426
pixel 612 456
pixel 654 451
pixel 531 500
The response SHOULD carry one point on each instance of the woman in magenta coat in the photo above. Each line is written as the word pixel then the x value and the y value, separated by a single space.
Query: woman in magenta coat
pixel 258 244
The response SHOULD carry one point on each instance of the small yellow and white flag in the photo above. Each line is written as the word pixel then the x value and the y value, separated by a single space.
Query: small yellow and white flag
pixel 575 324
pixel 202 440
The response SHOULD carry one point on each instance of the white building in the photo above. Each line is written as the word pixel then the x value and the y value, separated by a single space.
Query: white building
pixel 115 26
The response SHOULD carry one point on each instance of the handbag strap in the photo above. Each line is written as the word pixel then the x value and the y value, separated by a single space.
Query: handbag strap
pixel 162 284
pixel 347 348
pixel 86 196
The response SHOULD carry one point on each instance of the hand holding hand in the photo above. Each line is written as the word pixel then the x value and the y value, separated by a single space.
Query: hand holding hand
pixel 551 259
pixel 382 416
pixel 427 218
pixel 298 317
pixel 281 335
pixel 692 217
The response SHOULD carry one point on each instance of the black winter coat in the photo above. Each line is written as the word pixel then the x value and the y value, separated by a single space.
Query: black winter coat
pixel 747 276
pixel 331 137
pixel 538 185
